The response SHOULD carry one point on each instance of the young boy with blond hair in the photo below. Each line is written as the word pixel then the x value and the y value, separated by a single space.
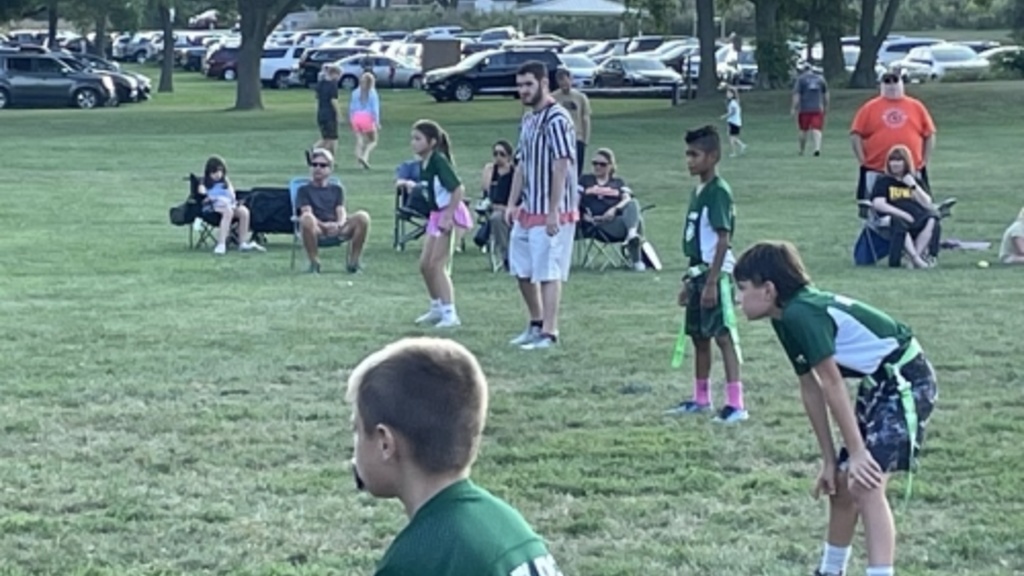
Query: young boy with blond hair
pixel 420 405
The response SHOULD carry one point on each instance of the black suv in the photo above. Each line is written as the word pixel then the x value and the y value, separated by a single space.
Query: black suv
pixel 31 78
pixel 492 72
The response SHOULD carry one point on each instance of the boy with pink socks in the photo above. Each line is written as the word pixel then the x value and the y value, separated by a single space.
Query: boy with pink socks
pixel 708 291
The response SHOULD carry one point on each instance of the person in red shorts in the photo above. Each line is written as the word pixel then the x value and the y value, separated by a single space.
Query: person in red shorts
pixel 810 103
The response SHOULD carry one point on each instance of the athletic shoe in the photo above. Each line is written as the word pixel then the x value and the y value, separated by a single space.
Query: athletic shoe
pixel 431 317
pixel 220 249
pixel 688 407
pixel 731 415
pixel 314 268
pixel 250 247
pixel 449 321
pixel 527 337
pixel 542 342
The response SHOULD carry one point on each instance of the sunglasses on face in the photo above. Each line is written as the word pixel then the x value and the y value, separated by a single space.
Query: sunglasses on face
pixel 320 165
pixel 599 163
pixel 890 80
pixel 499 154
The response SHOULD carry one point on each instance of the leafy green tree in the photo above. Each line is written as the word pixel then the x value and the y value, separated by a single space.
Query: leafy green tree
pixel 871 39
pixel 707 81
pixel 258 20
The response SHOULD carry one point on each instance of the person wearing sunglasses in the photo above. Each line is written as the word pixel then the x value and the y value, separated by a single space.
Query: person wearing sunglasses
pixel 891 119
pixel 607 203
pixel 321 207
pixel 496 183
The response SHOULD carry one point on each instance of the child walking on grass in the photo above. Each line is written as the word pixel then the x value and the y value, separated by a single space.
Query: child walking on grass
pixel 827 338
pixel 707 292
pixel 734 117
pixel 444 193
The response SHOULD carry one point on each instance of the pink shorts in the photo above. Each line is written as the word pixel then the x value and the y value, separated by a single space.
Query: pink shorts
pixel 362 122
pixel 463 219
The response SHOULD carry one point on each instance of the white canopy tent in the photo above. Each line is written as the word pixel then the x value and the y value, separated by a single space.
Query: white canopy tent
pixel 576 8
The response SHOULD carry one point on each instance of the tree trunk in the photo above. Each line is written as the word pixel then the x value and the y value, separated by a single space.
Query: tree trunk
pixel 870 41
pixel 832 60
pixel 51 29
pixel 707 82
pixel 767 31
pixel 248 95
pixel 167 61
pixel 99 46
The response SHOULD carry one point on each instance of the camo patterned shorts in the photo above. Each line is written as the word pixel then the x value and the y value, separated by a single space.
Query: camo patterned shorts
pixel 882 419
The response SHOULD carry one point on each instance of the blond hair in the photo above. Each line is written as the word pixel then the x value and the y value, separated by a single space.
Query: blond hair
pixel 432 392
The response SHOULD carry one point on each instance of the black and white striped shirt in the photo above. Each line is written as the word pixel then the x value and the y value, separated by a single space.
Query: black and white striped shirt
pixel 547 135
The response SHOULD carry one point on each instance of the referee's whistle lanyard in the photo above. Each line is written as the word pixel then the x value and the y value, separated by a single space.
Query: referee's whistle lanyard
pixel 893 370
pixel 727 299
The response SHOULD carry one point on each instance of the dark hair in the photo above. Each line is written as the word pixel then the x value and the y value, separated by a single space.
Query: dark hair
pixel 432 391
pixel 433 131
pixel 535 68
pixel 705 139
pixel 775 262
pixel 504 145
pixel 562 73
pixel 213 164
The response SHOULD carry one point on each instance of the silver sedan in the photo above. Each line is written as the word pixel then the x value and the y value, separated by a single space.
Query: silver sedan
pixel 390 72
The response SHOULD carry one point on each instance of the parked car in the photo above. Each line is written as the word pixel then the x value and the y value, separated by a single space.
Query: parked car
pixel 491 72
pixel 580 67
pixel 277 63
pixel 307 71
pixel 222 63
pixel 622 71
pixel 126 88
pixel 28 79
pixel 897 48
pixel 937 61
pixel 996 54
pixel 389 72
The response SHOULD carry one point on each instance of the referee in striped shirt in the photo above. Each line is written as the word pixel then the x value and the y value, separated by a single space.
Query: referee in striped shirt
pixel 543 205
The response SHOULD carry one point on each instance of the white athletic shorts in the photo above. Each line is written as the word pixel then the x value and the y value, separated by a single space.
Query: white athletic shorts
pixel 541 258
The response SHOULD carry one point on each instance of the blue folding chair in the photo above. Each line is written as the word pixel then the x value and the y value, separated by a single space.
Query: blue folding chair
pixel 293 192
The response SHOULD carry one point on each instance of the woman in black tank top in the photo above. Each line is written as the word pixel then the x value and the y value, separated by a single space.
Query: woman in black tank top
pixel 497 186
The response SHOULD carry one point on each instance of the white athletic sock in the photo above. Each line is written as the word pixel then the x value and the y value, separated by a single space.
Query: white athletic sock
pixel 881 571
pixel 834 560
pixel 435 304
pixel 447 309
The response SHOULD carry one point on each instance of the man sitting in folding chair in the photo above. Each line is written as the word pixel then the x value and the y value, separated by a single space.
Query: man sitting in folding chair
pixel 321 208
pixel 610 213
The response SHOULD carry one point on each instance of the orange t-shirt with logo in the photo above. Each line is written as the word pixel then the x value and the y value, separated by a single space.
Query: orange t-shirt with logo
pixel 884 123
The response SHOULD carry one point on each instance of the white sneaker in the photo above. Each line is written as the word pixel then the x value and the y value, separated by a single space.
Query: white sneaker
pixel 220 249
pixel 449 321
pixel 527 337
pixel 432 317
pixel 540 343
pixel 251 246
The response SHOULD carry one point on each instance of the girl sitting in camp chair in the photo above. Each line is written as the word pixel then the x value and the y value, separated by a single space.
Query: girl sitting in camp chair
pixel 219 196
pixel 915 220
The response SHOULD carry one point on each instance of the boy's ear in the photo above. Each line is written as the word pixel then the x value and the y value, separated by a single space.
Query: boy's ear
pixel 386 441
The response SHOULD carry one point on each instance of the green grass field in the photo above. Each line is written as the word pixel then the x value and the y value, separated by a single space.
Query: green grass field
pixel 168 412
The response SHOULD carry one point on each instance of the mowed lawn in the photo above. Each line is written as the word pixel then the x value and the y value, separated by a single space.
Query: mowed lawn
pixel 168 412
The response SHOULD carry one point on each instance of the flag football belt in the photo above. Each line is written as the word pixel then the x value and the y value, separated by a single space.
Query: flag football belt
pixel 725 298
pixel 893 371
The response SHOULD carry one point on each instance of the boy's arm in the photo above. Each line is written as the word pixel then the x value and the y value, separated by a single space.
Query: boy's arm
pixel 721 249
pixel 838 401
pixel 817 412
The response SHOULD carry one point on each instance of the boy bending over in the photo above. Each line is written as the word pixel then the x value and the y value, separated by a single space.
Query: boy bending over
pixel 420 407
pixel 828 338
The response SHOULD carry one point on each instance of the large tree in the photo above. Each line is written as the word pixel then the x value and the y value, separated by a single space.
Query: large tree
pixel 707 81
pixel 871 40
pixel 773 53
pixel 258 20
pixel 166 13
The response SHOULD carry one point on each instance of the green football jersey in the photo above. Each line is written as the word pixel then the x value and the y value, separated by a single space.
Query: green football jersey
pixel 466 531
pixel 439 180
pixel 711 209
pixel 817 324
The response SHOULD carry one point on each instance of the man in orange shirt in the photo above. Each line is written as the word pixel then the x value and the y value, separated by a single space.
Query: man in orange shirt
pixel 888 120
